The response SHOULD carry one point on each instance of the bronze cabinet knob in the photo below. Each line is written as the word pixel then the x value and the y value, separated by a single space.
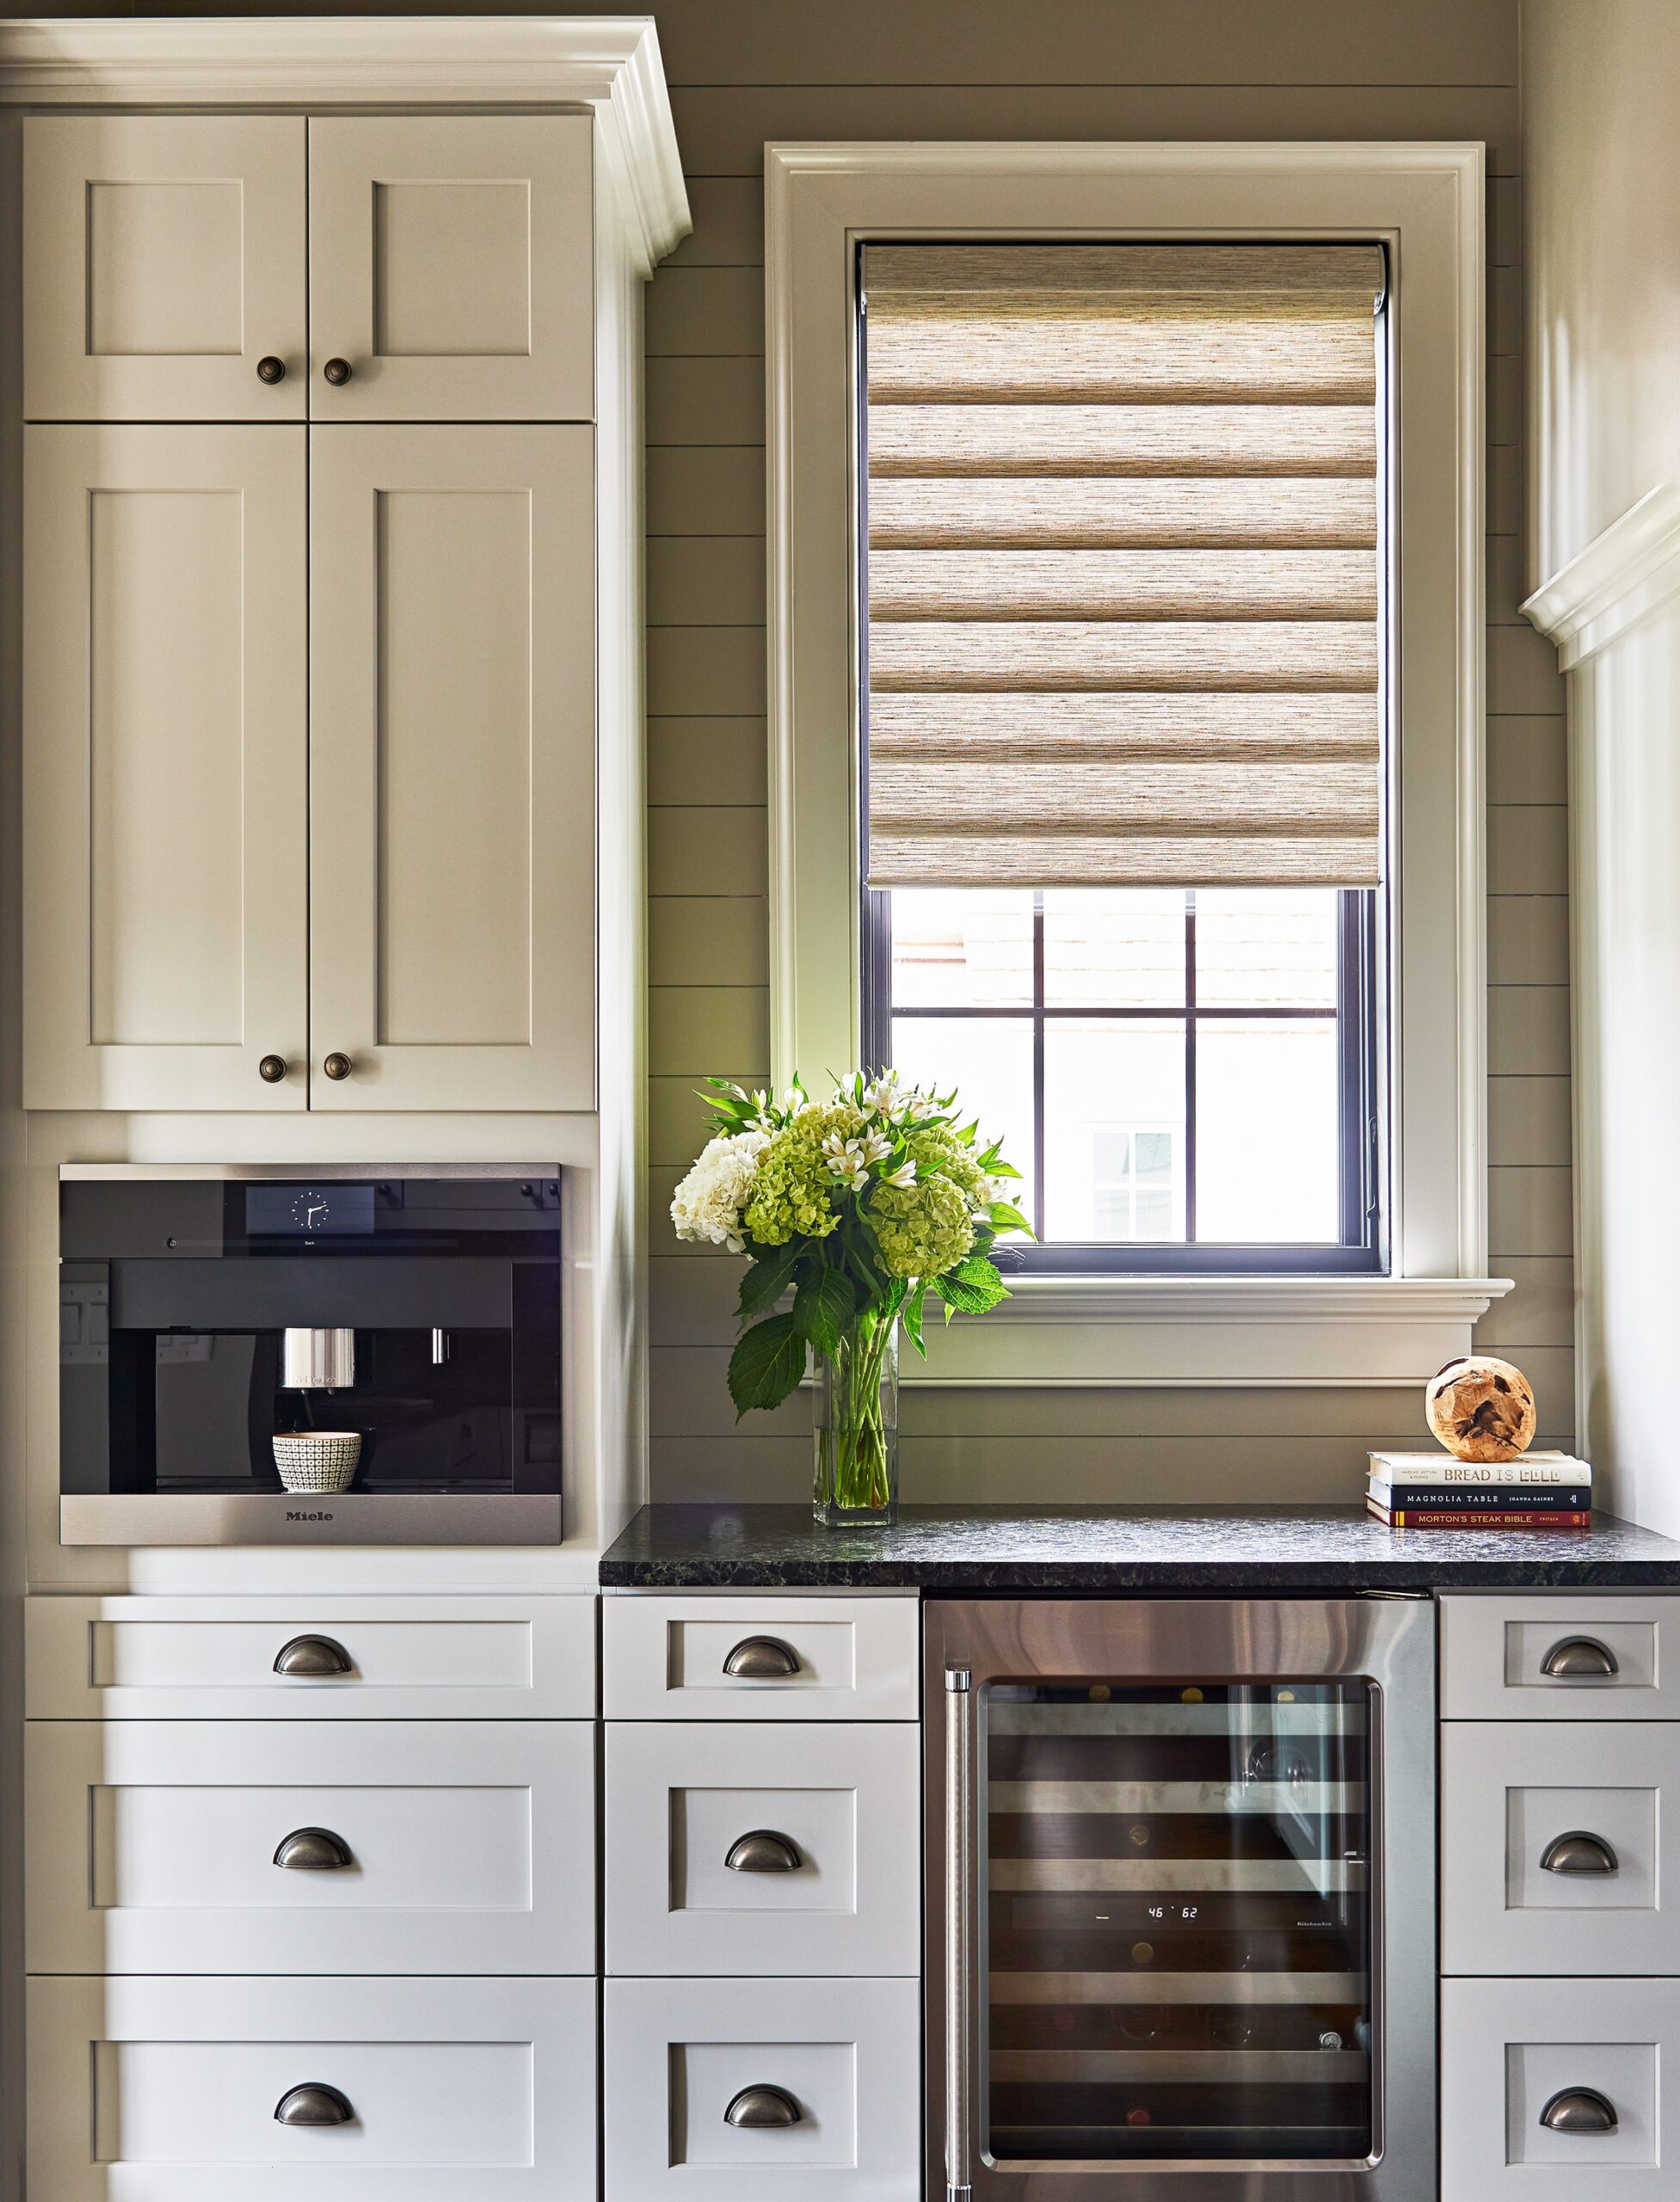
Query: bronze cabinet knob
pixel 762 2105
pixel 337 373
pixel 313 1850
pixel 337 1066
pixel 269 369
pixel 313 2104
pixel 272 1069
pixel 1579 2110
pixel 315 1657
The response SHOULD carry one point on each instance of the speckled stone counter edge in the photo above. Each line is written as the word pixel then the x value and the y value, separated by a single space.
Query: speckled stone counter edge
pixel 1280 1549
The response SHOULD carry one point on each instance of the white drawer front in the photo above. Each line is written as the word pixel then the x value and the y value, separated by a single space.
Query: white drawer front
pixel 1510 2047
pixel 436 1658
pixel 846 2054
pixel 1495 1653
pixel 1509 1791
pixel 150 1847
pixel 852 1658
pixel 149 2090
pixel 844 1801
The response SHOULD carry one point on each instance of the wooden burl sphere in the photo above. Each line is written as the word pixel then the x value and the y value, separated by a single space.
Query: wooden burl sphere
pixel 1482 1409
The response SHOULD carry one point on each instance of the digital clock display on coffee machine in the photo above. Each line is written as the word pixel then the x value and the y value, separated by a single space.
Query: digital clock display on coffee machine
pixel 298 1210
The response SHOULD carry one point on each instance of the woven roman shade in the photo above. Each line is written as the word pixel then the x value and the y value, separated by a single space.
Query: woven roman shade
pixel 1122 507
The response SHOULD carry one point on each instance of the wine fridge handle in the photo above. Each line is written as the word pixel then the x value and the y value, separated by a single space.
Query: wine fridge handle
pixel 959 1896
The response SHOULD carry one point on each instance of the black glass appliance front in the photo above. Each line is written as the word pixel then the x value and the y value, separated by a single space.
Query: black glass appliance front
pixel 181 1302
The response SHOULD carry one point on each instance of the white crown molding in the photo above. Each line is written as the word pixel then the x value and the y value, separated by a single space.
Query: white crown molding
pixel 1622 576
pixel 610 63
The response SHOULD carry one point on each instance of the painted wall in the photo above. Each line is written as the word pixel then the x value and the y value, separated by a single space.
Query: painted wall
pixel 1600 83
pixel 744 72
pixel 1600 80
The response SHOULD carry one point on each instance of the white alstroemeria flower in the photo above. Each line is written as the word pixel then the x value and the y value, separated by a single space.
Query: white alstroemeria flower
pixel 847 1163
pixel 876 1144
pixel 917 1105
pixel 904 1177
pixel 882 1095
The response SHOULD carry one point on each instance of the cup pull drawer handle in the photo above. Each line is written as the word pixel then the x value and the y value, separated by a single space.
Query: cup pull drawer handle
pixel 762 2105
pixel 763 1851
pixel 313 1656
pixel 761 1659
pixel 1581 1658
pixel 313 1850
pixel 1579 2110
pixel 313 2104
pixel 1579 1852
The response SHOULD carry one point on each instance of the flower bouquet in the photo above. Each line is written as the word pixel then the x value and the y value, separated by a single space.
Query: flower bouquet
pixel 859 1206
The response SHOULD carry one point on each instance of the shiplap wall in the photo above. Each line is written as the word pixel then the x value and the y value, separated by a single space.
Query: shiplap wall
pixel 744 71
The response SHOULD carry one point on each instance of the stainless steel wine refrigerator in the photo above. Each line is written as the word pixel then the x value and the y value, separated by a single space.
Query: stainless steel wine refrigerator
pixel 1186 1948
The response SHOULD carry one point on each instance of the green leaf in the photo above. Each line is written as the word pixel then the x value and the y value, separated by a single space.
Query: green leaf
pixel 767 1364
pixel 972 1287
pixel 1006 1217
pixel 822 1307
pixel 768 1278
pixel 912 1307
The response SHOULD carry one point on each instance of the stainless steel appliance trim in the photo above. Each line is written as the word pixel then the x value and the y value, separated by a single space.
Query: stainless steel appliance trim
pixel 1390 1644
pixel 360 1172
pixel 282 1517
pixel 959 1869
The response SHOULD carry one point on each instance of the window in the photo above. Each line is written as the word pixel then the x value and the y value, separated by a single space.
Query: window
pixel 1136 946
pixel 1120 544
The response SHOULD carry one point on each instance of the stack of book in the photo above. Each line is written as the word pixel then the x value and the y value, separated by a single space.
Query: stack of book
pixel 1432 1490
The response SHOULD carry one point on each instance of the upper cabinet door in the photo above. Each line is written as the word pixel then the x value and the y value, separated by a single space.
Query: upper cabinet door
pixel 451 768
pixel 163 268
pixel 165 756
pixel 451 268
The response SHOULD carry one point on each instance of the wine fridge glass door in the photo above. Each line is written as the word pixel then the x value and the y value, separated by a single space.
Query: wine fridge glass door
pixel 1177 1921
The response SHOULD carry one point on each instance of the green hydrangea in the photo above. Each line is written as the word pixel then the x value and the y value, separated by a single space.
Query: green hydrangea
pixel 938 1151
pixel 791 1193
pixel 922 1229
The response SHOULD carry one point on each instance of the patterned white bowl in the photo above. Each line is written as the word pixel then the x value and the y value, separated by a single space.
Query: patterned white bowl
pixel 318 1459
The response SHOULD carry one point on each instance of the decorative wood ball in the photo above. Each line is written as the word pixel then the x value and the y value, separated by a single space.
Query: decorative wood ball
pixel 1482 1409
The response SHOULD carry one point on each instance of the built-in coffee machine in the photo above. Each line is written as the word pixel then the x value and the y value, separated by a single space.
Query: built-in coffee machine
pixel 260 1357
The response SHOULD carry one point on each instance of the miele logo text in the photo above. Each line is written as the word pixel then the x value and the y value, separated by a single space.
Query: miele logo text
pixel 294 1516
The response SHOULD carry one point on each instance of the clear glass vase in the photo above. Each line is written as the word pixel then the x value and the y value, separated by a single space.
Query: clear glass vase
pixel 857 1427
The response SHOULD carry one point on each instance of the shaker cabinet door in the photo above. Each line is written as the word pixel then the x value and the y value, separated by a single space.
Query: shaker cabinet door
pixel 165 767
pixel 164 269
pixel 452 747
pixel 450 268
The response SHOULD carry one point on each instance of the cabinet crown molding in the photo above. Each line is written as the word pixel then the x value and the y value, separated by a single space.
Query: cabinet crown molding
pixel 609 65
pixel 1624 575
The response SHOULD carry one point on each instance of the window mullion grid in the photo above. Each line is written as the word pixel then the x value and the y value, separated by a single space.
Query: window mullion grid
pixel 1038 1140
pixel 1189 1066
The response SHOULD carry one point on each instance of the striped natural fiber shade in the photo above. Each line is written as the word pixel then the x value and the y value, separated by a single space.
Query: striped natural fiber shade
pixel 1122 565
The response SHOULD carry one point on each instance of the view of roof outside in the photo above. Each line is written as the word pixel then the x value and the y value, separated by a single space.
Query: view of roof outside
pixel 1132 1114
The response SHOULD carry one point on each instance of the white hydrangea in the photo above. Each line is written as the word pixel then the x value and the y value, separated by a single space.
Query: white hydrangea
pixel 707 1205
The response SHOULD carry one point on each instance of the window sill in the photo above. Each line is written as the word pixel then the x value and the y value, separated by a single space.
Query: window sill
pixel 1209 1330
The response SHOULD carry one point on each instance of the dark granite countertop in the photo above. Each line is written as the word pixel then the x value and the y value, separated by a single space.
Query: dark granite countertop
pixel 1281 1548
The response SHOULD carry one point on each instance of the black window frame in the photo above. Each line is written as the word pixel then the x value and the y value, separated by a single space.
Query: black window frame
pixel 1362 962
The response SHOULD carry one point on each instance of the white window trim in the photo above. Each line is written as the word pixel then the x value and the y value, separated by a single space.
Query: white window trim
pixel 1426 203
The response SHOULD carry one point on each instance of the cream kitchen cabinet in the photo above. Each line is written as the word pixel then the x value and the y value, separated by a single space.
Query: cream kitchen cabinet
pixel 164 272
pixel 165 766
pixel 275 267
pixel 378 893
